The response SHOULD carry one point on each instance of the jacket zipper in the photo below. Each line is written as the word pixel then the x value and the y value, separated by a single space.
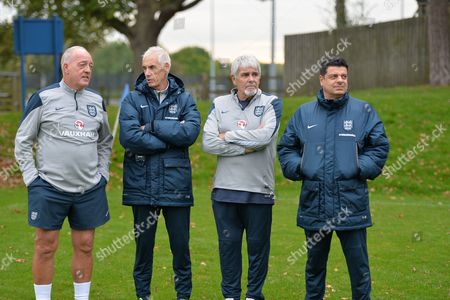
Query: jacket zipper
pixel 76 102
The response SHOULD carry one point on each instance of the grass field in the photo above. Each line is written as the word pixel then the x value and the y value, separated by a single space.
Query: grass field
pixel 409 244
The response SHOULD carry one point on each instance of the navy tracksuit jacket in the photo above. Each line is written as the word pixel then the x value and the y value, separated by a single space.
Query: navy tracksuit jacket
pixel 334 146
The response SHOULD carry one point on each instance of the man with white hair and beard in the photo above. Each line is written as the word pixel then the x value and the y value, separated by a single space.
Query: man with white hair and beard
pixel 242 129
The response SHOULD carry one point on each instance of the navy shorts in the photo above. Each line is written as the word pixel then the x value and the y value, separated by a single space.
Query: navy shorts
pixel 48 207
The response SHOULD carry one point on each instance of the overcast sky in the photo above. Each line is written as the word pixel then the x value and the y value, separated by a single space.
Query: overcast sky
pixel 243 26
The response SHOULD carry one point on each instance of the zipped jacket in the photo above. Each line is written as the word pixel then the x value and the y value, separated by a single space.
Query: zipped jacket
pixel 334 147
pixel 156 168
pixel 72 137
pixel 253 127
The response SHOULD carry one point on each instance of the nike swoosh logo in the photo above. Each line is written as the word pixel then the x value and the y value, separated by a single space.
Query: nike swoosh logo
pixel 224 111
pixel 311 126
pixel 58 108
pixel 144 106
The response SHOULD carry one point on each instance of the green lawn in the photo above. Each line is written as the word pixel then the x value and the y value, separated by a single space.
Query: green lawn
pixel 408 245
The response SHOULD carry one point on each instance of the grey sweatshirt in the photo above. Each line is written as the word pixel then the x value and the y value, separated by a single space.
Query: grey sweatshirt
pixel 71 135
pixel 254 127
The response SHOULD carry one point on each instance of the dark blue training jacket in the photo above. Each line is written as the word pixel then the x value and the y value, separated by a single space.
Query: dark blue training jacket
pixel 156 168
pixel 334 147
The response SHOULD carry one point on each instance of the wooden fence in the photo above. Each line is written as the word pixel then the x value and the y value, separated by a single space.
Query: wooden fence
pixel 379 55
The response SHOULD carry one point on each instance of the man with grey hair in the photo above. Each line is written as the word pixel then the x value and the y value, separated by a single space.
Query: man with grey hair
pixel 69 126
pixel 242 130
pixel 158 123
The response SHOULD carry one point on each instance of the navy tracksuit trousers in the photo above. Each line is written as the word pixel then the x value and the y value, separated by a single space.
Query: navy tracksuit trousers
pixel 177 221
pixel 354 246
pixel 231 221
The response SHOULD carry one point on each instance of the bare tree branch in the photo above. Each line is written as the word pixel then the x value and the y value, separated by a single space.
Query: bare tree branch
pixel 120 27
pixel 187 6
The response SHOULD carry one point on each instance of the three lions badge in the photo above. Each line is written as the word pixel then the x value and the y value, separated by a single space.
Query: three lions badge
pixel 259 110
pixel 92 110
pixel 348 125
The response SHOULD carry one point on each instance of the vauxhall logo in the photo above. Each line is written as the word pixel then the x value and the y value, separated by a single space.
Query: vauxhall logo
pixel 79 125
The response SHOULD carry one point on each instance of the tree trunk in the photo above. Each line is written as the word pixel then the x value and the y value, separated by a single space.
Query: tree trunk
pixel 341 17
pixel 149 21
pixel 139 44
pixel 438 42
pixel 144 35
pixel 148 27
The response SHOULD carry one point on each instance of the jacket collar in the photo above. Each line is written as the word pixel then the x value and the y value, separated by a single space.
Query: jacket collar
pixel 176 85
pixel 68 89
pixel 331 104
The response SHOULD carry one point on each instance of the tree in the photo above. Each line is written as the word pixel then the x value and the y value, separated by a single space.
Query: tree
pixel 8 61
pixel 114 58
pixel 191 61
pixel 360 14
pixel 438 42
pixel 341 16
pixel 145 22
pixel 86 21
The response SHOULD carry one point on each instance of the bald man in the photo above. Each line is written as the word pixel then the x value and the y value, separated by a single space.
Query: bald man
pixel 68 125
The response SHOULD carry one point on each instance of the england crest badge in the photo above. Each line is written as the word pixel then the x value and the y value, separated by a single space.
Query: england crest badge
pixel 348 125
pixel 92 110
pixel 259 110
pixel 173 109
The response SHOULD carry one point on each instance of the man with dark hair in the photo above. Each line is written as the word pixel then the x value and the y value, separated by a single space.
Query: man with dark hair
pixel 335 62
pixel 334 145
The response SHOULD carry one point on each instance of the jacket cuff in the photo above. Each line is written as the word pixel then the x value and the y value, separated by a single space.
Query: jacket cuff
pixel 149 127
pixel 105 175
pixel 30 181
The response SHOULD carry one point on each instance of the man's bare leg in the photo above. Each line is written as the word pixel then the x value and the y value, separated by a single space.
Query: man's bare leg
pixel 45 246
pixel 82 262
